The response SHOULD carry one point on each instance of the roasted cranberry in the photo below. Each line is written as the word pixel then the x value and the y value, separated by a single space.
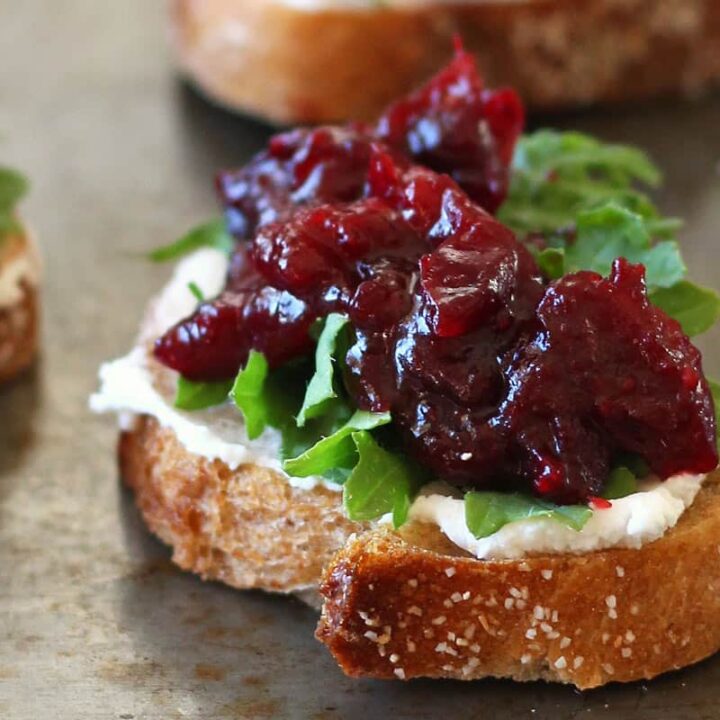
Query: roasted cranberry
pixel 216 340
pixel 476 276
pixel 301 167
pixel 454 126
pixel 606 371
pixel 319 249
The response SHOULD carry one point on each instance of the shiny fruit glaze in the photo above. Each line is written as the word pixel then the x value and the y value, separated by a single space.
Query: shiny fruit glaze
pixel 495 378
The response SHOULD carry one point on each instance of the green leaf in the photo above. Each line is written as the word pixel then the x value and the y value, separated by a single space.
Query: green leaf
pixel 695 308
pixel 620 483
pixel 336 450
pixel 212 234
pixel 381 482
pixel 196 291
pixel 321 389
pixel 484 514
pixel 248 394
pixel 552 262
pixel 609 232
pixel 558 175
pixel 192 395
pixel 271 397
pixel 401 507
pixel 487 512
pixel 297 440
pixel 548 151
pixel 13 187
pixel 634 463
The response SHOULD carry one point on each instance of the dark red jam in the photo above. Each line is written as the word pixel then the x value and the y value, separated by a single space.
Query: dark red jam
pixel 495 378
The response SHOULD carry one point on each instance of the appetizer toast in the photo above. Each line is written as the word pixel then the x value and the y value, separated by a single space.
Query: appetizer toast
pixel 19 271
pixel 263 56
pixel 443 373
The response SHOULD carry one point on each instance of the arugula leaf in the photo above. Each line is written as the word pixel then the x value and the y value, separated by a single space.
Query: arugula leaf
pixel 194 288
pixel 272 397
pixel 609 232
pixel 634 463
pixel 296 440
pixel 696 308
pixel 247 394
pixel 551 262
pixel 621 482
pixel 13 187
pixel 211 234
pixel 336 450
pixel 581 195
pixel 380 483
pixel 487 512
pixel 557 175
pixel 192 395
pixel 321 390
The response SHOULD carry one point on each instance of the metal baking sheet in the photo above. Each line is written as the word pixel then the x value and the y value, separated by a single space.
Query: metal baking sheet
pixel 94 620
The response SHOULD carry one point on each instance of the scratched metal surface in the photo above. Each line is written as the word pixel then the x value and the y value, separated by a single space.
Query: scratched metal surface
pixel 94 621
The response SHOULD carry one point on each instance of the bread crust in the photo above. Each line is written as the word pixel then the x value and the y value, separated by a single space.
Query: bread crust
pixel 402 607
pixel 263 56
pixel 19 322
pixel 248 527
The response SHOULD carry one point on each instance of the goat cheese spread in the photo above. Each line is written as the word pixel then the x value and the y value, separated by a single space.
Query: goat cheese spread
pixel 631 522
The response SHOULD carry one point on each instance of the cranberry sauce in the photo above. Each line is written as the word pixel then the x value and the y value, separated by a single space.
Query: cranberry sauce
pixel 452 125
pixel 494 377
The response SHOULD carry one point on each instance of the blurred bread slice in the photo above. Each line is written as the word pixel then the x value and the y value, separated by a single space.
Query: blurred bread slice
pixel 309 61
pixel 19 304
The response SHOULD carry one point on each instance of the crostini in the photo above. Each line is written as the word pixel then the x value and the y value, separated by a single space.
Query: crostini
pixel 19 276
pixel 442 372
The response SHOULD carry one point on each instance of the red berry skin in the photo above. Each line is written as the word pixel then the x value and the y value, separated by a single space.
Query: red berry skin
pixel 477 276
pixel 605 372
pixel 216 340
pixel 453 125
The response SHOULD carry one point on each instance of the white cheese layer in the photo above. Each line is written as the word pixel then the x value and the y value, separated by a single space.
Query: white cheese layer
pixel 631 522
pixel 127 388
pixel 22 267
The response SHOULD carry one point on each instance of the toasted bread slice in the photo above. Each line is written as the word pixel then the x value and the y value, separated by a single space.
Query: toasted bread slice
pixel 248 528
pixel 410 606
pixel 332 60
pixel 19 305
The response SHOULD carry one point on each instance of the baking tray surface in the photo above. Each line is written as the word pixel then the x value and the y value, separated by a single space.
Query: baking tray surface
pixel 95 622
